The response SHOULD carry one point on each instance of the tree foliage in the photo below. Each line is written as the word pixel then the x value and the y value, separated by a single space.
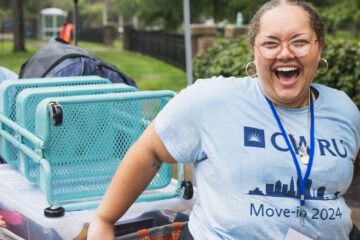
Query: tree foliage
pixel 343 15
pixel 127 8
pixel 5 8
pixel 226 58
pixel 343 57
pixel 91 13
pixel 247 8
pixel 160 12
pixel 169 13
pixel 33 7
pixel 338 14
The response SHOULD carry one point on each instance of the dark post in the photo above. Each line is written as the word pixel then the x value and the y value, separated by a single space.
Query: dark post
pixel 76 22
pixel 109 35
pixel 18 18
pixel 126 36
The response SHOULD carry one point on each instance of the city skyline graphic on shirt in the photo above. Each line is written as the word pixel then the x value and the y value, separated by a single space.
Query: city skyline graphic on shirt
pixel 288 190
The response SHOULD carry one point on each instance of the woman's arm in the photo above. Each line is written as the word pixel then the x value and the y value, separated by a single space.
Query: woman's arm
pixel 137 169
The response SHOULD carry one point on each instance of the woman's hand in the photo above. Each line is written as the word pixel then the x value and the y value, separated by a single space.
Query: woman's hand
pixel 2 222
pixel 100 229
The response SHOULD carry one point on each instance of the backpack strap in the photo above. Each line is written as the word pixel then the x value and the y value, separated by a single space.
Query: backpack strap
pixel 101 64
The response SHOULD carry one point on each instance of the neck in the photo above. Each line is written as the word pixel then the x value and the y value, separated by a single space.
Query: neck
pixel 302 102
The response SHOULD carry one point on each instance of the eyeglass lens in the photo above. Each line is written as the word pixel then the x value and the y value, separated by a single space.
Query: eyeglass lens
pixel 299 46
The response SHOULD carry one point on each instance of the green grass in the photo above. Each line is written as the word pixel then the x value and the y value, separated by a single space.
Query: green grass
pixel 148 73
pixel 13 61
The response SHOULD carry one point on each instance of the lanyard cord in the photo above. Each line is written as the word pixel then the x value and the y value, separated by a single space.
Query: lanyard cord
pixel 312 140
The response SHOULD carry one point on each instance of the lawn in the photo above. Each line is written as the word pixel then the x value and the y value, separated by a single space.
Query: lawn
pixel 148 73
pixel 11 60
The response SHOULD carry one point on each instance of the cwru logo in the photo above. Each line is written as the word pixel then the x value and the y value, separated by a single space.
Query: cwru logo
pixel 254 137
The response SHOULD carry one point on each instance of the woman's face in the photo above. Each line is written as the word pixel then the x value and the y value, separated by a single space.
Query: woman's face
pixel 286 78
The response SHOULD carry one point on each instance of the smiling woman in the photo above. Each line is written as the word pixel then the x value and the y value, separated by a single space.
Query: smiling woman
pixel 287 51
pixel 273 153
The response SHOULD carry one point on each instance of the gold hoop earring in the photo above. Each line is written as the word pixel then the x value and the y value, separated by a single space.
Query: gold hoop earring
pixel 327 66
pixel 247 72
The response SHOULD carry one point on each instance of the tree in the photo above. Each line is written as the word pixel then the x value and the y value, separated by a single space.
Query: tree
pixel 160 12
pixel 170 16
pixel 19 36
pixel 247 8
pixel 5 9
pixel 343 15
pixel 127 8
pixel 33 7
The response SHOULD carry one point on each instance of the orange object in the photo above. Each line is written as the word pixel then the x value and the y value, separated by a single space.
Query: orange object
pixel 174 235
pixel 67 32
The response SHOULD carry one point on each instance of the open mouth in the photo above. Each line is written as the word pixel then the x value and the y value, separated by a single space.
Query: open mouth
pixel 287 75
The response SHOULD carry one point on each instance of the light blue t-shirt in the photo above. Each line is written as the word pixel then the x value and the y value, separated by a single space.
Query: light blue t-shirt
pixel 246 178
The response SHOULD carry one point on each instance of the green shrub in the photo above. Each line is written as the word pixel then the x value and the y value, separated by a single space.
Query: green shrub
pixel 343 57
pixel 226 58
pixel 229 58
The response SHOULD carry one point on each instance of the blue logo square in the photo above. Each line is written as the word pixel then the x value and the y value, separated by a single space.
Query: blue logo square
pixel 254 137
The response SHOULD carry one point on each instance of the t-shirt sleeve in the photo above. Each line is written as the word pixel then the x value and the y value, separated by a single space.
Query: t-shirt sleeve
pixel 352 114
pixel 6 74
pixel 356 120
pixel 179 126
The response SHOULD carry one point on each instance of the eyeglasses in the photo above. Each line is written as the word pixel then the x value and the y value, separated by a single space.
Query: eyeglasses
pixel 299 46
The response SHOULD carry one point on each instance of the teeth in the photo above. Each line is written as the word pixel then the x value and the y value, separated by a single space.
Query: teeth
pixel 286 69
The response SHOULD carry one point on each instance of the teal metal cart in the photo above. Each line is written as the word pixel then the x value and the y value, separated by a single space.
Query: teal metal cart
pixel 71 145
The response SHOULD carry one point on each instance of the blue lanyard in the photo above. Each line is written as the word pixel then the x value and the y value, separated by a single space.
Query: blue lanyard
pixel 311 156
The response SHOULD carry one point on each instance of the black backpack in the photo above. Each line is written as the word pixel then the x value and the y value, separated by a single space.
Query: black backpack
pixel 59 59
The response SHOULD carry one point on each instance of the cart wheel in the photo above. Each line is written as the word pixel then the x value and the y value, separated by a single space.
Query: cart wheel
pixel 54 211
pixel 188 189
pixel 56 113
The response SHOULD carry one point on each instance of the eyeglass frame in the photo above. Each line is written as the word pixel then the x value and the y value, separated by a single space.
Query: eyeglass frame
pixel 281 43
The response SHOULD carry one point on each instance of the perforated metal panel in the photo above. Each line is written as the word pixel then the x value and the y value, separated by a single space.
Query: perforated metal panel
pixel 85 151
pixel 28 100
pixel 10 89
